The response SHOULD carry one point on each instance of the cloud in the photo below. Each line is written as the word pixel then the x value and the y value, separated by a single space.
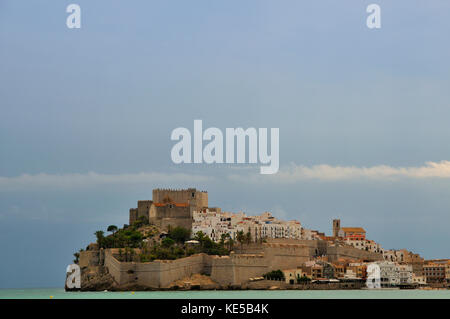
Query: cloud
pixel 70 181
pixel 296 173
pixel 290 174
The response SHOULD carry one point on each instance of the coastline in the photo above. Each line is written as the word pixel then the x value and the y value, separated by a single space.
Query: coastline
pixel 59 293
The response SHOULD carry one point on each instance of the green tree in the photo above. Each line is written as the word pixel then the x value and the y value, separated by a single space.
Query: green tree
pixel 112 229
pixel 141 221
pixel 200 237
pixel 223 237
pixel 167 242
pixel 303 279
pixel 179 234
pixel 274 275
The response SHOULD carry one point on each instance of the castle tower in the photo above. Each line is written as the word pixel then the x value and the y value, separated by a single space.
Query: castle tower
pixel 191 196
pixel 170 207
pixel 336 227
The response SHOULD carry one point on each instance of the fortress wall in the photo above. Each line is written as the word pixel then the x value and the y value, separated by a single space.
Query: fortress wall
pixel 176 196
pixel 133 215
pixel 336 252
pixel 285 256
pixel 198 198
pixel 202 199
pixel 226 270
pixel 175 216
pixel 156 274
pixel 248 266
pixel 174 212
pixel 236 269
pixel 222 270
pixel 207 264
pixel 174 222
pixel 316 247
pixel 252 248
pixel 143 208
pixel 89 258
pixel 172 270
pixel 122 272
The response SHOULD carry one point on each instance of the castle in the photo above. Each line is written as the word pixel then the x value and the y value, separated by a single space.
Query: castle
pixel 170 207
pixel 287 246
pixel 274 245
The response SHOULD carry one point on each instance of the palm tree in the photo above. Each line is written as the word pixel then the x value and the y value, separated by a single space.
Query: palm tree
pixel 100 234
pixel 200 236
pixel 240 236
pixel 230 243
pixel 222 239
pixel 248 238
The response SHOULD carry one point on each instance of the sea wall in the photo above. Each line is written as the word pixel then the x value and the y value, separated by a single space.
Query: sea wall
pixel 285 256
pixel 238 268
pixel 235 269
pixel 156 274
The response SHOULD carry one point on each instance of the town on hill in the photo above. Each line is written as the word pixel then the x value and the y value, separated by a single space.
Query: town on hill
pixel 177 241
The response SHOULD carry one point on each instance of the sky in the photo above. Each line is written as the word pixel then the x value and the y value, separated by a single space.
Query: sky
pixel 87 114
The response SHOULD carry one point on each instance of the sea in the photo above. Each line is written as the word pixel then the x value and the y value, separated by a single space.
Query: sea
pixel 59 293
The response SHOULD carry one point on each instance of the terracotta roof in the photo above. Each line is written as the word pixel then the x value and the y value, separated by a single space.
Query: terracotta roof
pixel 353 229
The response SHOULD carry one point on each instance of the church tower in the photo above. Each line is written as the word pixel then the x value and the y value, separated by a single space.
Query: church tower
pixel 336 227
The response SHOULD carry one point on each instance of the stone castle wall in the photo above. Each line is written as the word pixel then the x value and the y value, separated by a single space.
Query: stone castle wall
pixel 176 215
pixel 163 216
pixel 235 269
pixel 143 208
pixel 156 274
pixel 286 256
pixel 322 248
pixel 315 247
pixel 164 223
pixel 190 195
pixel 336 252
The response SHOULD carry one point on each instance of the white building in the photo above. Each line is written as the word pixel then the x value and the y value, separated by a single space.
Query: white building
pixel 389 273
pixel 215 224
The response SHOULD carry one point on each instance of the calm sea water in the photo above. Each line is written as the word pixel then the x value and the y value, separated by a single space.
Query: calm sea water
pixel 57 293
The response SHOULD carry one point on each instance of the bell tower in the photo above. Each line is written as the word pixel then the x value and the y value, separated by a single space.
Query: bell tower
pixel 336 227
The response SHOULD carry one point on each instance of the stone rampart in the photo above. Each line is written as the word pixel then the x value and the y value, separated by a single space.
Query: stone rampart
pixel 156 274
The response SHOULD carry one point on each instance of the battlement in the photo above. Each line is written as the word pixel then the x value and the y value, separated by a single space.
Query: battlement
pixel 191 196
pixel 178 190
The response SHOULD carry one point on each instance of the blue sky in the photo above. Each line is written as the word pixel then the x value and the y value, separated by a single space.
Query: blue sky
pixel 84 112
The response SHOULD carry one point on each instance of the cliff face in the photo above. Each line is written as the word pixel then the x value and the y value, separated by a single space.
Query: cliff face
pixel 94 276
pixel 97 281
